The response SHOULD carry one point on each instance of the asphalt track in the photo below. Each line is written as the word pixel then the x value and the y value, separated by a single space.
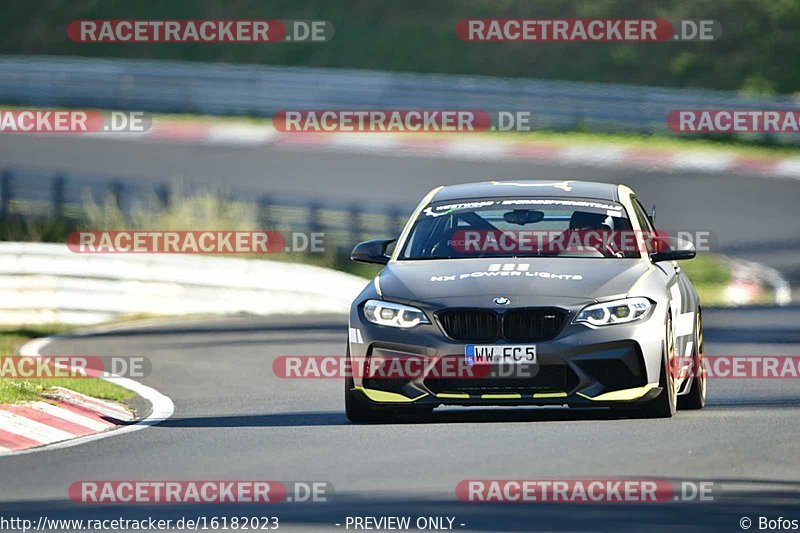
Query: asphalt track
pixel 235 420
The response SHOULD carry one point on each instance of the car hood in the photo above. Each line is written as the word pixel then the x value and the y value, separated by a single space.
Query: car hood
pixel 527 281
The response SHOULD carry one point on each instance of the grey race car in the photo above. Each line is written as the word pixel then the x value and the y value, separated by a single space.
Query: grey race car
pixel 526 293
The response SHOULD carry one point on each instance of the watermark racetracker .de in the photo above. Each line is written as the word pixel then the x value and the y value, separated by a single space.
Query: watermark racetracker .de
pixel 193 242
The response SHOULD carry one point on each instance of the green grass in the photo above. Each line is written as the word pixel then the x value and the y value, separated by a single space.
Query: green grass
pixel 661 141
pixel 710 275
pixel 24 390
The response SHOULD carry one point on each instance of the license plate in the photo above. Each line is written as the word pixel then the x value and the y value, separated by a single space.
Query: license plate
pixel 491 354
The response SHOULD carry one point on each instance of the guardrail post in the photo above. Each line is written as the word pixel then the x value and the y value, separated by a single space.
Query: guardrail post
pixel 396 222
pixel 356 228
pixel 577 118
pixel 264 212
pixel 162 194
pixel 117 191
pixel 58 196
pixel 315 218
pixel 6 193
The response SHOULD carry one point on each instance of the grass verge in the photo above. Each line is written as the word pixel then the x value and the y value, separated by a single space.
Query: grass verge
pixel 710 275
pixel 24 390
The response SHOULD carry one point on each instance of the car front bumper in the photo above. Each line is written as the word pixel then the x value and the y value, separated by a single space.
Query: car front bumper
pixel 580 367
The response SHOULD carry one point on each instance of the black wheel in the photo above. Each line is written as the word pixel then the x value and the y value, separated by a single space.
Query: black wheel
pixel 665 404
pixel 360 412
pixel 696 397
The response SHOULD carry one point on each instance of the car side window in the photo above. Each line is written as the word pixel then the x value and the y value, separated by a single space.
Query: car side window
pixel 641 216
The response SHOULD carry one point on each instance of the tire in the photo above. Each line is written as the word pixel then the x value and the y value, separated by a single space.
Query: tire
pixel 696 397
pixel 357 410
pixel 665 404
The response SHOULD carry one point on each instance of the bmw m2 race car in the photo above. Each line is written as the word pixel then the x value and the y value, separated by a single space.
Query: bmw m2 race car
pixel 526 293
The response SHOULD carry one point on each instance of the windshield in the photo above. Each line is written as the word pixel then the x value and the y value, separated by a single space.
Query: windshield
pixel 521 227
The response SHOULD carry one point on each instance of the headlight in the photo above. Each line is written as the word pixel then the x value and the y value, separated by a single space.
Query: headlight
pixel 616 312
pixel 395 315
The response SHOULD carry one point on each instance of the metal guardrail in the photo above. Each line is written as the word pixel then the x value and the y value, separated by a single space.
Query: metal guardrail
pixel 225 89
pixel 47 283
pixel 44 196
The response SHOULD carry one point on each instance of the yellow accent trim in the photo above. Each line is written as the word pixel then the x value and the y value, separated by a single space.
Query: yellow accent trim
pixel 383 396
pixel 501 396
pixel 625 194
pixel 407 229
pixel 452 395
pixel 622 395
pixel 550 395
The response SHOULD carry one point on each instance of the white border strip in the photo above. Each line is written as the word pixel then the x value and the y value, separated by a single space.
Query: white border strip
pixel 70 416
pixel 764 275
pixel 162 406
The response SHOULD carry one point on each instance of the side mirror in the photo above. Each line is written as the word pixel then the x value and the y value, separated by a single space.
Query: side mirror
pixel 373 251
pixel 673 249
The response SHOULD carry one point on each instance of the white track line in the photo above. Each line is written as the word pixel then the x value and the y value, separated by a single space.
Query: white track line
pixel 592 155
pixel 162 405
pixel 476 149
pixel 767 275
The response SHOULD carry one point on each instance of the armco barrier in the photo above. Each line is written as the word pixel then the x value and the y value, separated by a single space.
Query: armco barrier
pixel 46 283
pixel 225 89
pixel 29 194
